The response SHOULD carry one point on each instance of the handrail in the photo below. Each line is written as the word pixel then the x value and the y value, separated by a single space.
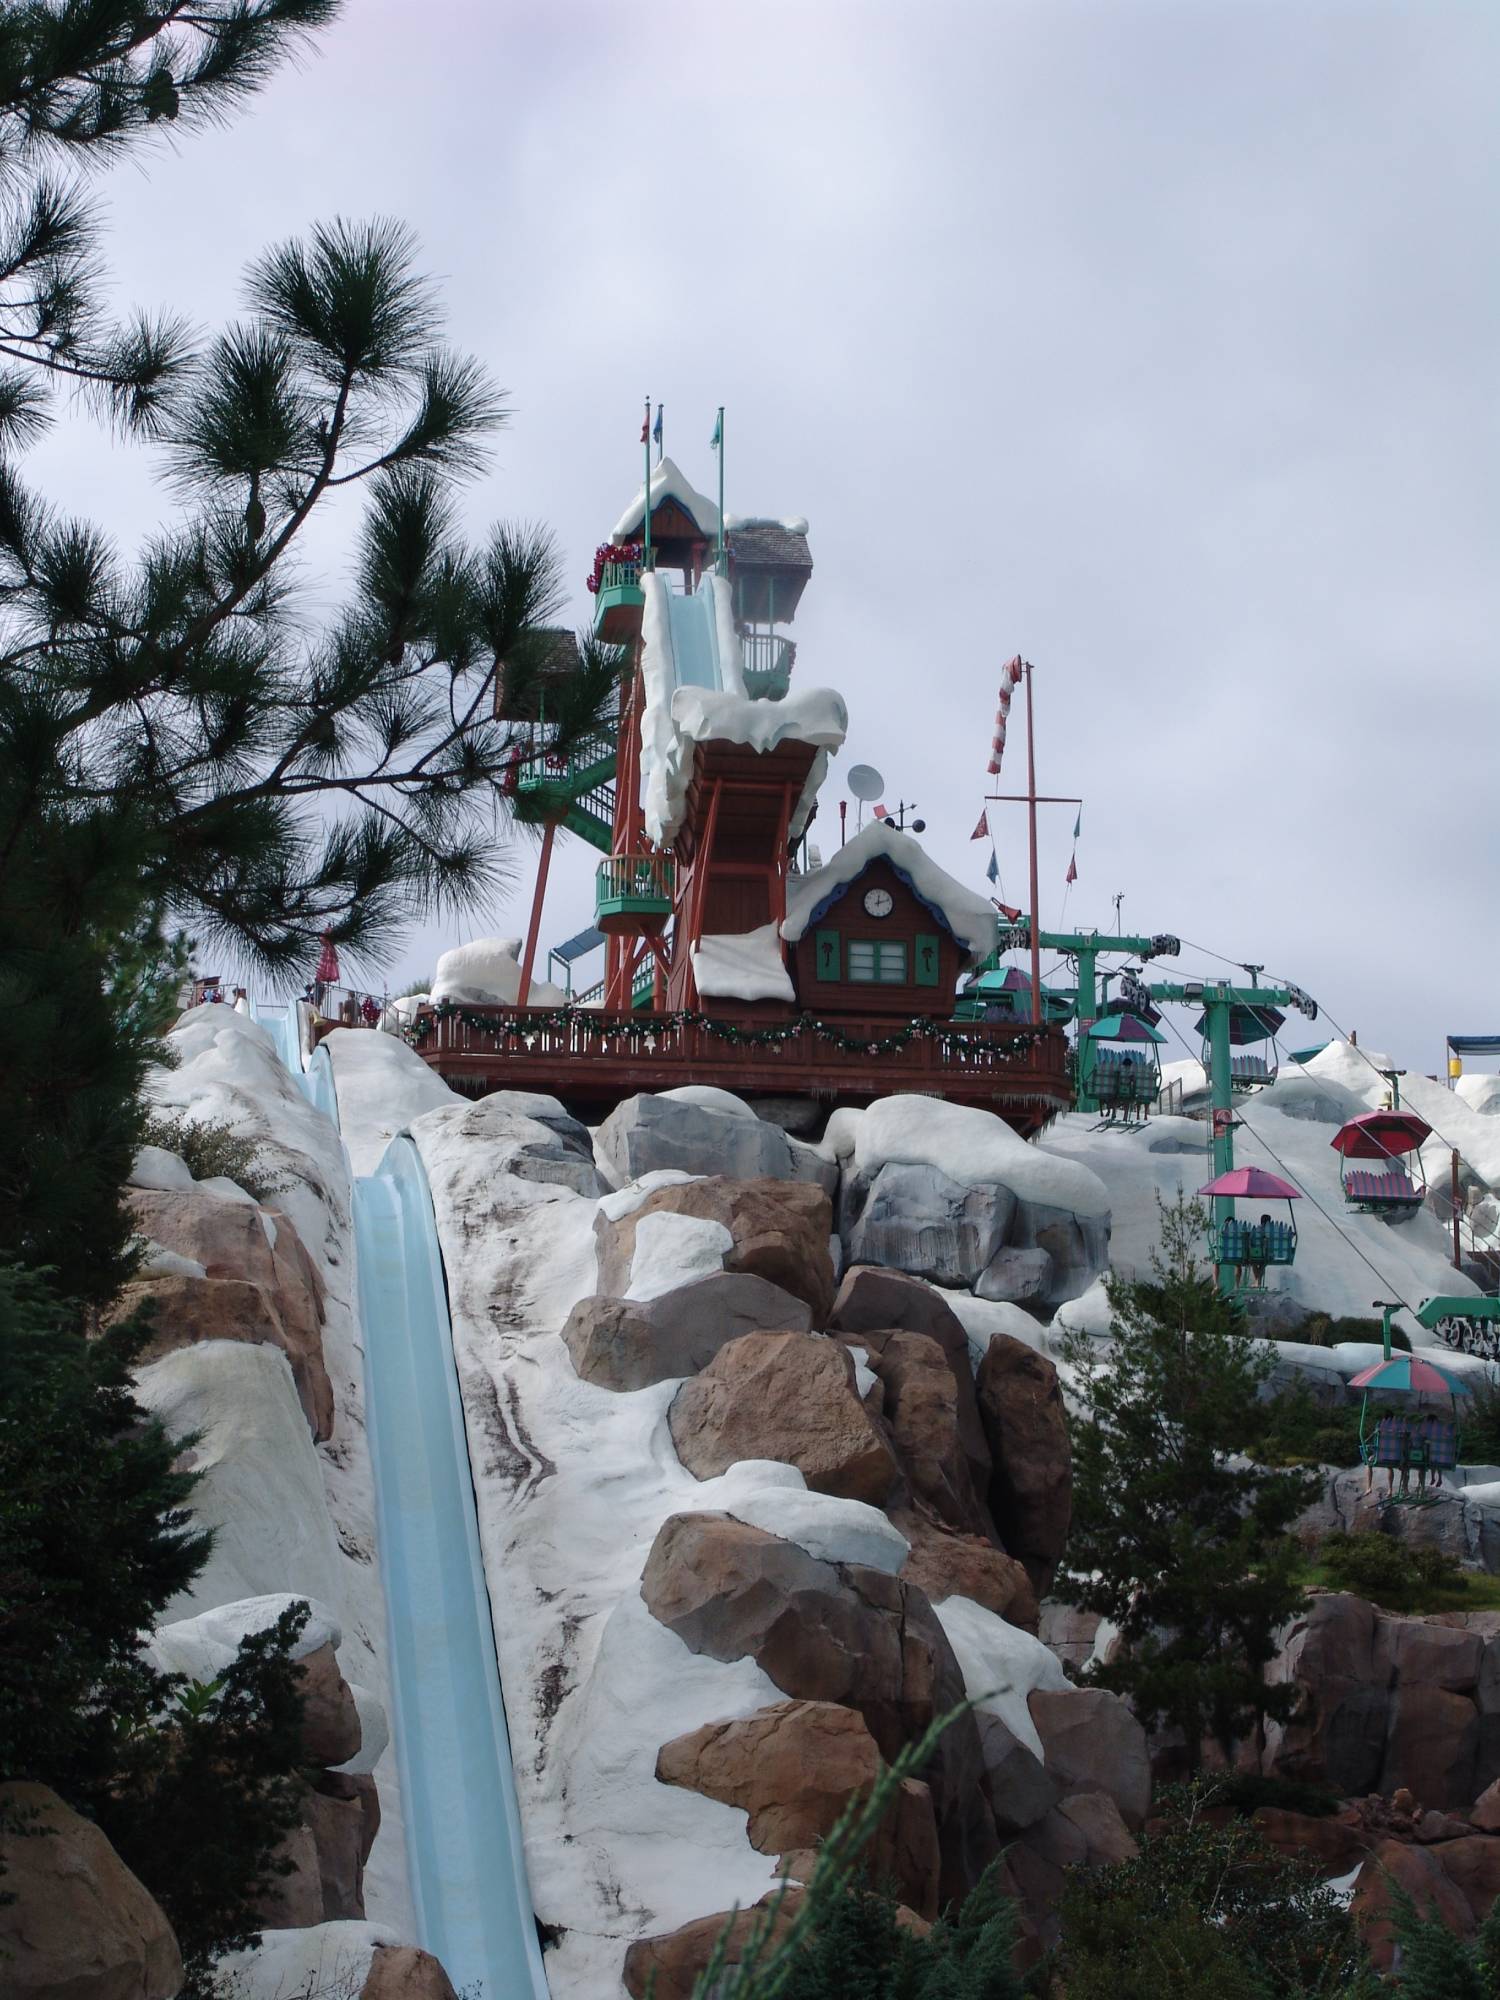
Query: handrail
pixel 636 878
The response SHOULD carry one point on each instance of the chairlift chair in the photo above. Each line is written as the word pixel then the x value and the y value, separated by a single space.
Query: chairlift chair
pixel 1124 1072
pixel 1397 1188
pixel 1248 1026
pixel 1252 1246
pixel 1407 1438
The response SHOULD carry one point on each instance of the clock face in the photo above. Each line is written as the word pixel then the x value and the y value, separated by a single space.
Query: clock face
pixel 879 902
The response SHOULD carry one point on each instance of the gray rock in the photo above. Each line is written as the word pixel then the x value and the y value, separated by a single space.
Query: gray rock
pixel 646 1134
pixel 1022 1790
pixel 1077 1244
pixel 799 1116
pixel 536 1140
pixel 628 1344
pixel 1017 1277
pixel 808 1164
pixel 914 1219
pixel 546 1111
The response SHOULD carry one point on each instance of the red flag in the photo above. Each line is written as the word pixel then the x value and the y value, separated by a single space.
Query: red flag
pixel 328 962
pixel 982 831
pixel 1011 916
pixel 646 428
pixel 1072 874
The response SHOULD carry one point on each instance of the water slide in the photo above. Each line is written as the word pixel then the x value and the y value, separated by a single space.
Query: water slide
pixel 463 1826
pixel 465 1855
pixel 695 639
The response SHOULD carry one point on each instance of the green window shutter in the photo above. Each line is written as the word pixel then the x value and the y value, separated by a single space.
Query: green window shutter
pixel 929 960
pixel 826 955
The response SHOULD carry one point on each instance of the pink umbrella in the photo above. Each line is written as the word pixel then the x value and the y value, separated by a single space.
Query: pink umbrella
pixel 1408 1372
pixel 1251 1184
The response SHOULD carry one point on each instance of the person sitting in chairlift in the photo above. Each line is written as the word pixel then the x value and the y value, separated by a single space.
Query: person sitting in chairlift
pixel 1260 1250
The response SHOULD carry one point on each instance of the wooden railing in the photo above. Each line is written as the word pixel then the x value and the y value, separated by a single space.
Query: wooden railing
pixel 588 1053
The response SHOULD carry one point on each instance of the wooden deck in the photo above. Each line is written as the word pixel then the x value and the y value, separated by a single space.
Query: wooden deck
pixel 593 1060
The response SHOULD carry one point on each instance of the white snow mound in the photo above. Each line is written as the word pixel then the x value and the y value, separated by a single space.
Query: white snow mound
pixel 968 1145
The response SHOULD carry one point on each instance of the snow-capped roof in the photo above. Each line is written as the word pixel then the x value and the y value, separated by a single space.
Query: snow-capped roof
pixel 747 966
pixel 970 918
pixel 668 482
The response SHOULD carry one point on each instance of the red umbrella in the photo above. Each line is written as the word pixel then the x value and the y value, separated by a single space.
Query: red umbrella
pixel 1381 1135
pixel 1251 1184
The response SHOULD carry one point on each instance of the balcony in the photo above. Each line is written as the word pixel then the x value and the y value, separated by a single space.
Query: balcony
pixel 633 894
pixel 619 603
pixel 768 660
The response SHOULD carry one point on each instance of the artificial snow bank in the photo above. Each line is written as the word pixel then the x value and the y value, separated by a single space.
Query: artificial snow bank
pixel 382 1086
pixel 1345 1259
pixel 487 973
pixel 746 966
pixel 969 1146
pixel 291 1517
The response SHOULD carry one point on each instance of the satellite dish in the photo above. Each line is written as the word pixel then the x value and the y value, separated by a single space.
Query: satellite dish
pixel 865 782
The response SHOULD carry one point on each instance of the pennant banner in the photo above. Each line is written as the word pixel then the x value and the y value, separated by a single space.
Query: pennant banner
pixel 982 831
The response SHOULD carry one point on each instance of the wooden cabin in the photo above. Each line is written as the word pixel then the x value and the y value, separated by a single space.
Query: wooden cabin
pixel 874 946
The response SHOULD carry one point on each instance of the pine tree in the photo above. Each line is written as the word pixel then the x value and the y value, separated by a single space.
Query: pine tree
pixel 1180 1541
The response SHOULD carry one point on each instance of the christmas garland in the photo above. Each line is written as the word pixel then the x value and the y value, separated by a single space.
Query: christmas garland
pixel 524 1028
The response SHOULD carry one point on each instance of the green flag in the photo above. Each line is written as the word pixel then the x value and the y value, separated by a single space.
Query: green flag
pixel 718 437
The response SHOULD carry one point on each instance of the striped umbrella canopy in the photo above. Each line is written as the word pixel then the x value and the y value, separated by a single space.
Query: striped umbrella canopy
pixel 1123 1028
pixel 1381 1135
pixel 1411 1374
pixel 1251 1184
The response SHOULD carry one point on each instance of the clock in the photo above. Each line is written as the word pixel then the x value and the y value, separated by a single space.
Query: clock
pixel 879 902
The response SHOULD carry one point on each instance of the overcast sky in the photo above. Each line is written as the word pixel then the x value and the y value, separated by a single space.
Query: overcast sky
pixel 1155 342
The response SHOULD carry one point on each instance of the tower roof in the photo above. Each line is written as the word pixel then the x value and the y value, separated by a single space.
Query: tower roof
pixel 668 482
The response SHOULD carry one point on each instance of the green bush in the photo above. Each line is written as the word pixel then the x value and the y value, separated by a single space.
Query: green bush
pixel 1321 1330
pixel 1481 1422
pixel 1245 1792
pixel 212 1147
pixel 1398 1576
pixel 1205 1907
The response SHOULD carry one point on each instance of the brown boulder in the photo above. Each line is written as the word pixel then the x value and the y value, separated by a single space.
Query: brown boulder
pixel 787 1396
pixel 1485 1812
pixel 1472 1864
pixel 921 1409
pixel 1410 1650
pixel 1107 1840
pixel 232 1239
pixel 629 1344
pixel 1419 1872
pixel 81 1926
pixel 339 1827
pixel 1026 1426
pixel 667 1967
pixel 781 1232
pixel 871 1303
pixel 330 1720
pixel 1431 1743
pixel 1338 1735
pixel 1333 1841
pixel 830 1632
pixel 187 1310
pixel 944 1563
pixel 404 1972
pixel 1067 1631
pixel 793 1769
pixel 1092 1743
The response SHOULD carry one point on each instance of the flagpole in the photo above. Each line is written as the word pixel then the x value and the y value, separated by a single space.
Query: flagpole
pixel 1036 921
pixel 719 564
pixel 646 440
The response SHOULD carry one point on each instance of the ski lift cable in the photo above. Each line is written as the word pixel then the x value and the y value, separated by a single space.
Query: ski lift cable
pixel 1307 1193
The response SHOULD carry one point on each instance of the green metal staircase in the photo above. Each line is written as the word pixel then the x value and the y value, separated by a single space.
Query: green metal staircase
pixel 577 792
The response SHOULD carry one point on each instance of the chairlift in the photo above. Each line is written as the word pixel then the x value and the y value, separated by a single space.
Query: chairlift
pixel 1407 1439
pixel 1395 1138
pixel 999 993
pixel 1124 1071
pixel 1247 1026
pixel 1252 1246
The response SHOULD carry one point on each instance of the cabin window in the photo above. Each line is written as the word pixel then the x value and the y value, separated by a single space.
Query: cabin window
pixel 877 963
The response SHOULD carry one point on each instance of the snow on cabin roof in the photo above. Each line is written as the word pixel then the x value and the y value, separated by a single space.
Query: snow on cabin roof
pixel 970 918
pixel 668 482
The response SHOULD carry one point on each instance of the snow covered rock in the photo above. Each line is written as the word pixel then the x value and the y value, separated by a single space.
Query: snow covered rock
pixel 1031 1484
pixel 1001 1666
pixel 629 1344
pixel 648 1133
pixel 787 1396
pixel 792 1769
pixel 80 1924
pixel 1078 1246
pixel 971 1146
pixel 915 1219
pixel 488 973
pixel 779 1231
pixel 261 1487
pixel 155 1167
pixel 382 1086
pixel 827 1632
pixel 341 1961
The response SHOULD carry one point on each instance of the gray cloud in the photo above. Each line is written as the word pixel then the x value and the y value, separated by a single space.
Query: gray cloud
pixel 1156 342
